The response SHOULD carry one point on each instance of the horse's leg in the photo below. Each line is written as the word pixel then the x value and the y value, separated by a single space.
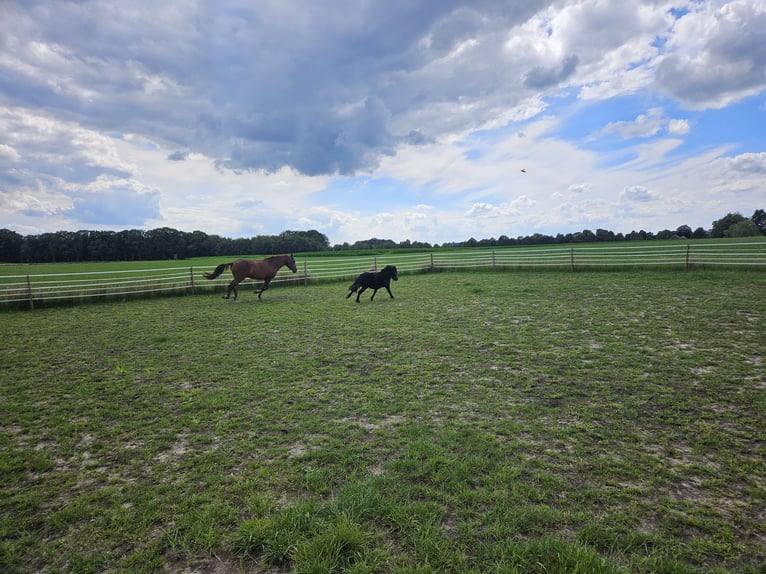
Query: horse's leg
pixel 373 293
pixel 232 287
pixel 358 293
pixel 265 286
pixel 389 291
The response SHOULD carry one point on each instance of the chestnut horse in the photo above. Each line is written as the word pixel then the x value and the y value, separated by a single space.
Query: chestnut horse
pixel 264 269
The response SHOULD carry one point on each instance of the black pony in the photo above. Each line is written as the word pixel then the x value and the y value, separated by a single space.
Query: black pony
pixel 375 281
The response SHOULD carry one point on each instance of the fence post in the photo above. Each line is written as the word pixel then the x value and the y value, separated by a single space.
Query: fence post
pixel 374 263
pixel 493 261
pixel 29 292
pixel 191 276
pixel 305 274
pixel 432 262
pixel 688 262
pixel 571 259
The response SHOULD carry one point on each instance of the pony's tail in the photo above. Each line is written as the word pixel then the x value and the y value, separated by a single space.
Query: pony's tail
pixel 217 271
pixel 353 288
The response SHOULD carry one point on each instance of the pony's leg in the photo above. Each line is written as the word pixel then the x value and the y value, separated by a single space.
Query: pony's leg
pixel 389 291
pixel 373 295
pixel 358 293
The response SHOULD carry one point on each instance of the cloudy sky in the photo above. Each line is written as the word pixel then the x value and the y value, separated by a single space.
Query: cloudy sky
pixel 431 120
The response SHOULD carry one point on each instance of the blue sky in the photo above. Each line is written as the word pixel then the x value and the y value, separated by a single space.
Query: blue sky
pixel 400 120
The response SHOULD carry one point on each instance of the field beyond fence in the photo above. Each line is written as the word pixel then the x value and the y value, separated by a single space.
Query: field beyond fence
pixel 30 288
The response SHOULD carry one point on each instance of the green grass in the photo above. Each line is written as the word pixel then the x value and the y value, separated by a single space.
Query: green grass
pixel 479 422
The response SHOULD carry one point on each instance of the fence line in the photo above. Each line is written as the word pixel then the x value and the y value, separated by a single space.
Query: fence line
pixel 30 289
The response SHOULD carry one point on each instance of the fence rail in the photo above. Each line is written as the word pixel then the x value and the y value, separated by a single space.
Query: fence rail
pixel 30 289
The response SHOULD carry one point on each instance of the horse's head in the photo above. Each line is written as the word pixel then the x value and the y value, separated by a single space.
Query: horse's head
pixel 291 263
pixel 392 272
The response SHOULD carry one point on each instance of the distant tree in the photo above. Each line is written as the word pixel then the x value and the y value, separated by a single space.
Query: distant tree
pixel 584 236
pixel 759 218
pixel 319 241
pixel 100 246
pixel 299 242
pixel 722 225
pixel 684 231
pixel 665 234
pixel 374 243
pixel 130 245
pixel 604 235
pixel 166 243
pixel 744 228
pixel 700 233
pixel 540 239
pixel 198 244
pixel 10 246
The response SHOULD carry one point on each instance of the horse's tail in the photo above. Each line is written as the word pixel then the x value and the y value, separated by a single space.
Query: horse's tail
pixel 353 288
pixel 217 271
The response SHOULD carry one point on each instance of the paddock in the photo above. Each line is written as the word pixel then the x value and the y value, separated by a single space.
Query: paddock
pixel 484 421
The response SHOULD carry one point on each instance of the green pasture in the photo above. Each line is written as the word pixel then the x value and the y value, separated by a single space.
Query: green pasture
pixel 739 245
pixel 513 422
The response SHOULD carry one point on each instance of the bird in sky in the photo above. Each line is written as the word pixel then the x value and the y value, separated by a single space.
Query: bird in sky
pixel 523 171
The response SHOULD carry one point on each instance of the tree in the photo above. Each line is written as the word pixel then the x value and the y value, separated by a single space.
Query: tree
pixel 744 228
pixel 759 218
pixel 130 245
pixel 198 244
pixel 700 233
pixel 665 234
pixel 10 246
pixel 604 235
pixel 722 225
pixel 586 235
pixel 684 231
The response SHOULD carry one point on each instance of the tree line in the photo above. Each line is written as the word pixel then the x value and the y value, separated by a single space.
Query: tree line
pixel 156 244
pixel 166 243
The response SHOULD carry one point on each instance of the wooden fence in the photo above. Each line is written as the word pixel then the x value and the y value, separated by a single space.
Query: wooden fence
pixel 31 289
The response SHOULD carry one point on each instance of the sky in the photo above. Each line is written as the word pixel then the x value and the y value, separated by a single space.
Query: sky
pixel 431 121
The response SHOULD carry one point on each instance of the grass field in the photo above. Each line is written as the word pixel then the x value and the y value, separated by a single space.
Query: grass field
pixel 479 422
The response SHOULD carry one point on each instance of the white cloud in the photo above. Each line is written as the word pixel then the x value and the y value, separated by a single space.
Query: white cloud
pixel 716 54
pixel 644 125
pixel 579 188
pixel 234 118
pixel 744 164
pixel 638 193
pixel 679 127
pixel 9 154
pixel 484 210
